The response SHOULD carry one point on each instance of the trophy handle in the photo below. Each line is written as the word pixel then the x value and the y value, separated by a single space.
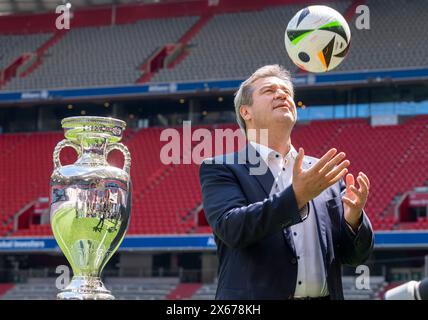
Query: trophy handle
pixel 61 145
pixel 126 154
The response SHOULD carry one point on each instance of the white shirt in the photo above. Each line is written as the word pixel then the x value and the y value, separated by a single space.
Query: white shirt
pixel 311 277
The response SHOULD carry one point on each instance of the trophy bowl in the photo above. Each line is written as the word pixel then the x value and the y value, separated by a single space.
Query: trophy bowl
pixel 90 202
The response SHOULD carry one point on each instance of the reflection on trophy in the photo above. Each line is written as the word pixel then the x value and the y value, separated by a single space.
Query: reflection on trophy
pixel 91 202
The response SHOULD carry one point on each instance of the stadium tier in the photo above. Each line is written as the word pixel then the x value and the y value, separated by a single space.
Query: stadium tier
pixel 162 288
pixel 393 40
pixel 391 162
pixel 214 45
pixel 231 44
pixel 108 55
pixel 12 46
pixel 127 289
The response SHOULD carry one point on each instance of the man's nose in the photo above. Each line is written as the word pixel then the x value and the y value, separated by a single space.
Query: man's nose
pixel 280 94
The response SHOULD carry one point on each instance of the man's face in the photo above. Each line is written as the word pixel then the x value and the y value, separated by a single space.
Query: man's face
pixel 273 105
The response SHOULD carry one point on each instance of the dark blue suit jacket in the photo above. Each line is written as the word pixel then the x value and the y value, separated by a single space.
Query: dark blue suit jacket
pixel 256 254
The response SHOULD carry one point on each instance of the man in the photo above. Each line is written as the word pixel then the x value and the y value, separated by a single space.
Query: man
pixel 282 233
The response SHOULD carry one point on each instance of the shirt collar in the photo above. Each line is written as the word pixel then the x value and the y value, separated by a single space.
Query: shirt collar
pixel 266 152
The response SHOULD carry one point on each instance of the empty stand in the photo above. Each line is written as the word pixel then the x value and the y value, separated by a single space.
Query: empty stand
pixel 122 289
pixel 377 285
pixel 166 289
pixel 228 46
pixel 351 292
pixel 12 46
pixel 206 292
pixel 28 159
pixel 394 40
pixel 184 291
pixel 108 55
pixel 166 198
pixel 380 152
pixel 141 288
pixel 232 45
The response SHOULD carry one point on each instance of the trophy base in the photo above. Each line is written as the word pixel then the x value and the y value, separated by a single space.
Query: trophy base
pixel 85 288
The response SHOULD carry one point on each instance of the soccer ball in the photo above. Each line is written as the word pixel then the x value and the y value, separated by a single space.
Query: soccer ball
pixel 317 38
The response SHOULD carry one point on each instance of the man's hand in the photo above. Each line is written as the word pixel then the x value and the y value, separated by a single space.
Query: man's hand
pixel 307 184
pixel 355 199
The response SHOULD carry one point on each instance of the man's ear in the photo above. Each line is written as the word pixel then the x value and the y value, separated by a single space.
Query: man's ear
pixel 245 111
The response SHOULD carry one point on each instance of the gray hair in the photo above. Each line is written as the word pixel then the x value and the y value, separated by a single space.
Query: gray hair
pixel 244 95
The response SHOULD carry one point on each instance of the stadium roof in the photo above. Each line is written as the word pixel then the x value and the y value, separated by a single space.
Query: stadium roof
pixel 32 6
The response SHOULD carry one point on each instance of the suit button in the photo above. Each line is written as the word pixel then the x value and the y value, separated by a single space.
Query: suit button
pixel 293 261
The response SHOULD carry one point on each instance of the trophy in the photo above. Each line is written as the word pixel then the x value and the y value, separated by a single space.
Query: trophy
pixel 91 202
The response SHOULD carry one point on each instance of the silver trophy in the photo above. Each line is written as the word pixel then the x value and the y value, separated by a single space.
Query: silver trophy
pixel 91 202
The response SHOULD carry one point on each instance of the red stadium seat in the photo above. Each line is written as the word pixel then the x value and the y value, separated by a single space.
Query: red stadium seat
pixel 166 197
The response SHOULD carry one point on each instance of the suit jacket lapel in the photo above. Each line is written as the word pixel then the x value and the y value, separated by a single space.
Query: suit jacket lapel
pixel 289 239
pixel 322 227
pixel 306 164
pixel 266 180
pixel 320 219
pixel 255 164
